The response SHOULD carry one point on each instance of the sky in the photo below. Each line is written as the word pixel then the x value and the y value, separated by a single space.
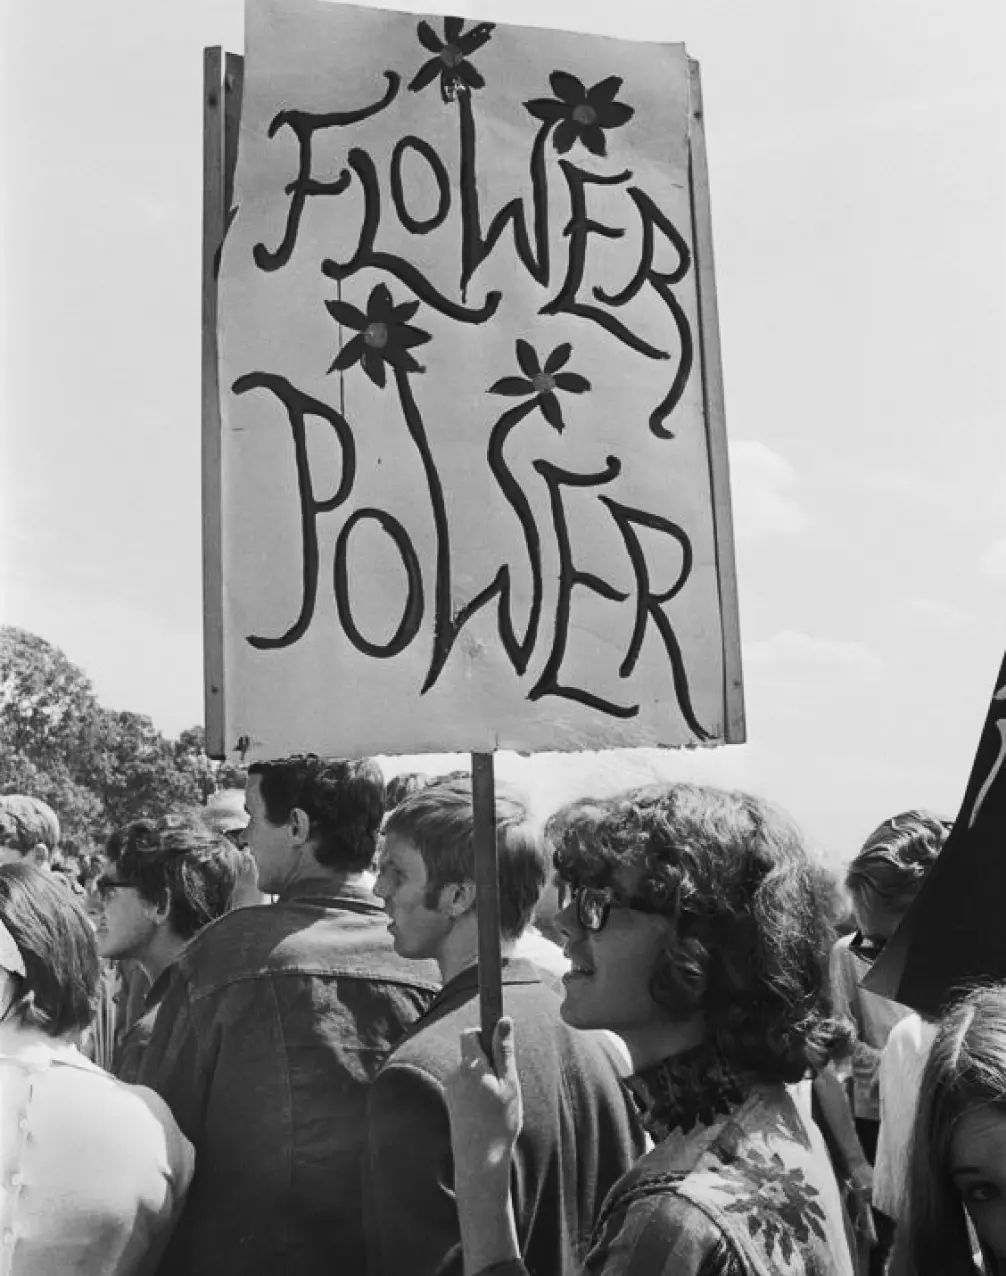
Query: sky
pixel 857 155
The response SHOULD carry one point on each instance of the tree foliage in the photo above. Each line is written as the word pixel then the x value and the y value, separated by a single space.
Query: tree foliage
pixel 96 767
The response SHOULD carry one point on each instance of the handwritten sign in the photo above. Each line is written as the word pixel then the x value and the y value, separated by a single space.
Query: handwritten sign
pixel 473 493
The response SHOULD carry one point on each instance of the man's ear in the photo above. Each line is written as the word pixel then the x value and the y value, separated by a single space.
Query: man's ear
pixel 299 824
pixel 39 854
pixel 162 910
pixel 461 898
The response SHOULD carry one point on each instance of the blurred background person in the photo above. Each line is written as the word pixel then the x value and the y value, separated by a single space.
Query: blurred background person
pixel 29 828
pixel 170 878
pixel 225 814
pixel 402 786
pixel 882 881
pixel 94 1172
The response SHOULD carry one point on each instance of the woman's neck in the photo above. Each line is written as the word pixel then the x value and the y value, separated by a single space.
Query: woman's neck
pixel 653 1043
pixel 18 1040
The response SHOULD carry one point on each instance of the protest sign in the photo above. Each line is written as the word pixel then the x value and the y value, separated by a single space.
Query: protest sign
pixel 472 467
pixel 953 934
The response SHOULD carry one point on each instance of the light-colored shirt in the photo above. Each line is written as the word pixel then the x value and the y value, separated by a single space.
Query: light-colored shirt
pixel 93 1172
pixel 533 946
pixel 871 1016
pixel 901 1067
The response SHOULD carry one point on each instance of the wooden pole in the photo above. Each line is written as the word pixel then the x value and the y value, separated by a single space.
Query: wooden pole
pixel 487 901
pixel 734 730
pixel 222 88
pixel 214 215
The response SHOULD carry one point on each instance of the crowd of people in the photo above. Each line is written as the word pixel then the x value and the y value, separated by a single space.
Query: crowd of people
pixel 245 1040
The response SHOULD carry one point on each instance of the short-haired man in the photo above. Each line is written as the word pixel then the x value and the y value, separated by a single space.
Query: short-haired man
pixel 168 879
pixel 29 829
pixel 580 1133
pixel 275 1020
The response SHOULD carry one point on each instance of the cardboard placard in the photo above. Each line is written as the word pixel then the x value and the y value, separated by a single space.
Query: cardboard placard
pixel 473 470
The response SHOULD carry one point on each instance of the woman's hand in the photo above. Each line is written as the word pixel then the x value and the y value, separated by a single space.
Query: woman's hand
pixel 484 1105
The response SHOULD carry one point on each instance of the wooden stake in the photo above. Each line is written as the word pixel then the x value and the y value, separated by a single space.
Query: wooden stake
pixel 487 902
pixel 734 730
pixel 214 214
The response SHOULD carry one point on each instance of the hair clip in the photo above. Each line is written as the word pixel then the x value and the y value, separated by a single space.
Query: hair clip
pixel 10 955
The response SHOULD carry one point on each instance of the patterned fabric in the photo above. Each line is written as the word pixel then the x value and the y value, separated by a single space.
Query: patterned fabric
pixel 740 1185
pixel 693 1087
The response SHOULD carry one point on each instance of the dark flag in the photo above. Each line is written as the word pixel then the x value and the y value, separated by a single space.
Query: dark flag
pixel 955 931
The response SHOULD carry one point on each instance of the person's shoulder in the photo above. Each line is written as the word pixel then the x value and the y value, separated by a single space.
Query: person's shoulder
pixel 100 1091
pixel 431 1047
pixel 298 937
pixel 650 1222
pixel 229 928
pixel 180 1154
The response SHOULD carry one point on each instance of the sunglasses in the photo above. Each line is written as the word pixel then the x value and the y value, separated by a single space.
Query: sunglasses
pixel 594 904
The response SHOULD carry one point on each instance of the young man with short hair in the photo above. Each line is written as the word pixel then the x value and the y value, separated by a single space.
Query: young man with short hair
pixel 580 1132
pixel 275 1020
pixel 167 880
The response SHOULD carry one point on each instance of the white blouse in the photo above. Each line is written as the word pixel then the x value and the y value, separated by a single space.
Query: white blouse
pixel 93 1172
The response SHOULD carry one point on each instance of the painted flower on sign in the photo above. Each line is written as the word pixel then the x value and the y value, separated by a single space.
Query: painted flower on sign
pixel 451 57
pixel 581 114
pixel 383 335
pixel 543 382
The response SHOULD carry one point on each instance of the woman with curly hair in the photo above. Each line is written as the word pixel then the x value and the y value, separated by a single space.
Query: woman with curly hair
pixel 957 1170
pixel 696 933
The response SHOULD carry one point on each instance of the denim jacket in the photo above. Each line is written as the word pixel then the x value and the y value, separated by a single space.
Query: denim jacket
pixel 275 1020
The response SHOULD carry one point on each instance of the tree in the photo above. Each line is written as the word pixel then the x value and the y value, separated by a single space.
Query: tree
pixel 46 703
pixel 96 767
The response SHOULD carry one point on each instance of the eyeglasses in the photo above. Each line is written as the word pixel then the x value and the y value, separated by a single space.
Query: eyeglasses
pixel 594 904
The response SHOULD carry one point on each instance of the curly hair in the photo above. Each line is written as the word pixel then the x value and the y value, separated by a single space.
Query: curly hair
pixel 177 859
pixel 895 858
pixel 342 797
pixel 752 934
